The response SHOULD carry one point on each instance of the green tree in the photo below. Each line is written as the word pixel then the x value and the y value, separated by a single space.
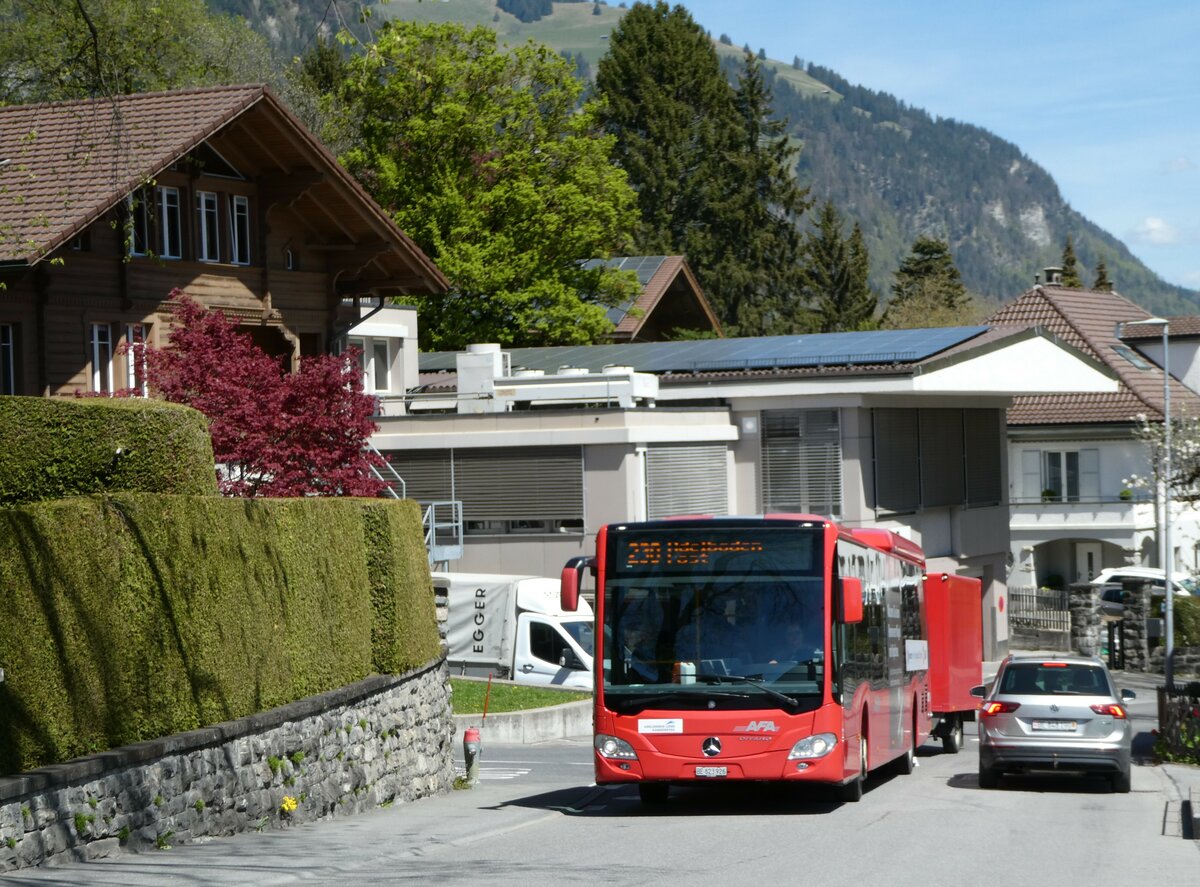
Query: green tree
pixel 1070 266
pixel 834 275
pixel 751 248
pixel 927 290
pixel 1102 284
pixel 864 301
pixel 711 167
pixel 670 110
pixel 489 161
pixel 51 50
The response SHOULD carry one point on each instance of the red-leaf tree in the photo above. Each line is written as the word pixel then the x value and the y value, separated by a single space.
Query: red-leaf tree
pixel 274 433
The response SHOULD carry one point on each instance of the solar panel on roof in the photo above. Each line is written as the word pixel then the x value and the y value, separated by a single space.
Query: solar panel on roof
pixel 710 355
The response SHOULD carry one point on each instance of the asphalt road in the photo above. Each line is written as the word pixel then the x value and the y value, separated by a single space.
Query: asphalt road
pixel 535 818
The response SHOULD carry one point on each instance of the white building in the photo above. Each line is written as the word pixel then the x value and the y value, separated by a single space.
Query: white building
pixel 899 429
pixel 1070 455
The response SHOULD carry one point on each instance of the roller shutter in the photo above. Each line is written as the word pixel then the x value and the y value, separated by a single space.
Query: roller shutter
pixel 686 480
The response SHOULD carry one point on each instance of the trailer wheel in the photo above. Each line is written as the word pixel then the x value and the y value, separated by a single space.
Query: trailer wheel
pixel 952 739
pixel 653 793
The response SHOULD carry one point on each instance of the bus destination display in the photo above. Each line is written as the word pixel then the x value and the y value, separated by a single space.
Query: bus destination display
pixel 663 551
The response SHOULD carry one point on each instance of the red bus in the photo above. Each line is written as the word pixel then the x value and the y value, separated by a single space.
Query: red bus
pixel 781 648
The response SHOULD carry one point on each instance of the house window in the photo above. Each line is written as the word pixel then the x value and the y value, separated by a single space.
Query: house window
pixel 102 357
pixel 374 363
pixel 168 211
pixel 239 229
pixel 380 366
pixel 1060 475
pixel 138 205
pixel 209 227
pixel 802 462
pixel 135 358
pixel 8 361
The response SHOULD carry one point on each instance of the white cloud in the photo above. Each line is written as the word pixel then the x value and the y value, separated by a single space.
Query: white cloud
pixel 1178 164
pixel 1155 232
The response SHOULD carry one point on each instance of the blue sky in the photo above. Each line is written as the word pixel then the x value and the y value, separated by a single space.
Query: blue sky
pixel 1104 95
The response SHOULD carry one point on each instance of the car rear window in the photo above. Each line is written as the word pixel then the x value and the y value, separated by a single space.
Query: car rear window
pixel 1040 679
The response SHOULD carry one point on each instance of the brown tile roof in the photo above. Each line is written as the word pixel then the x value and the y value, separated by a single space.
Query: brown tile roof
pixel 64 164
pixel 1091 322
pixel 1177 327
pixel 653 291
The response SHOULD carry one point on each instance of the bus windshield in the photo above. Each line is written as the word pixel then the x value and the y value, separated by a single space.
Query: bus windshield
pixel 721 617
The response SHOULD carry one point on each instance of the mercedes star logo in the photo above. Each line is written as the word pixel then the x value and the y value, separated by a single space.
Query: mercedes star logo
pixel 711 747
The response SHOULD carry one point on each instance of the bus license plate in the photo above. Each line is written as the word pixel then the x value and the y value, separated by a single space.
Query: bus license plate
pixel 711 772
pixel 1055 726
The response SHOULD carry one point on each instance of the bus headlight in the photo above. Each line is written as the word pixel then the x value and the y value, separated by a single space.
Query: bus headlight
pixel 612 747
pixel 817 746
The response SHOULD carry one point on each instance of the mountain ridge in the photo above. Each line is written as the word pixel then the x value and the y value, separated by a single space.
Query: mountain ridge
pixel 895 169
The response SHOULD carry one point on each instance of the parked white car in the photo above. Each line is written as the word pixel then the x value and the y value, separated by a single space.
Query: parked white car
pixel 1183 585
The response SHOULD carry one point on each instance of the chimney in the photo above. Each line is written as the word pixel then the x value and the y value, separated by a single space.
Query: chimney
pixel 1054 276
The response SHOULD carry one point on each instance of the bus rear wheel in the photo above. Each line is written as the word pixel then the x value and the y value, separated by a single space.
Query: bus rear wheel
pixel 653 793
pixel 908 761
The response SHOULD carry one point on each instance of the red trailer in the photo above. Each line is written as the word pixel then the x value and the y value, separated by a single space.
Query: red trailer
pixel 954 613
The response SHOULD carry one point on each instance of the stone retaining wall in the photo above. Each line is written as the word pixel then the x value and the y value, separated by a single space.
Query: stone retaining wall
pixel 382 740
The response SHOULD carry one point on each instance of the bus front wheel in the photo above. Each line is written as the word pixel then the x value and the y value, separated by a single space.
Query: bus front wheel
pixel 852 791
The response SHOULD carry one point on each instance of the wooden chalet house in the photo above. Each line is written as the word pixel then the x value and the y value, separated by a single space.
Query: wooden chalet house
pixel 107 206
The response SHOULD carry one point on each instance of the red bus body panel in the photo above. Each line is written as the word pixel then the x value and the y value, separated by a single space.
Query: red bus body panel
pixel 954 612
pixel 756 743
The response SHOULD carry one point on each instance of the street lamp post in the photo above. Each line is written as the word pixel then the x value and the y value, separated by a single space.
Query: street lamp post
pixel 1168 556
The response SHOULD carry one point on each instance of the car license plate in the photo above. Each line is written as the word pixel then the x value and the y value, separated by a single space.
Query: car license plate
pixel 1055 726
pixel 711 772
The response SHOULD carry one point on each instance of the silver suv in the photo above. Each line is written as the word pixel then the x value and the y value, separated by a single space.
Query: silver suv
pixel 1057 713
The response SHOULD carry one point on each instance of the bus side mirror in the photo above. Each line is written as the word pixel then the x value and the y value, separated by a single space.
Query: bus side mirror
pixel 852 609
pixel 572 575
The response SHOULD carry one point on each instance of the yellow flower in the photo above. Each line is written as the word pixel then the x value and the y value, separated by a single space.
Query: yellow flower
pixel 288 805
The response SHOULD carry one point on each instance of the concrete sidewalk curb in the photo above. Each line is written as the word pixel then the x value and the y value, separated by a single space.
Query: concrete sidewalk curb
pixel 531 725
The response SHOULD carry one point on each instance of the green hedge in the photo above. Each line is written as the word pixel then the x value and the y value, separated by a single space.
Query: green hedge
pixel 55 448
pixel 140 615
pixel 1185 612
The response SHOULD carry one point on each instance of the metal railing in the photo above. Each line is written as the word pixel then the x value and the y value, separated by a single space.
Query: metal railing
pixel 1042 609
pixel 388 476
pixel 443 522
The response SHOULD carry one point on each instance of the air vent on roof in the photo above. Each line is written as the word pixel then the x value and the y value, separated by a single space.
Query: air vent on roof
pixel 1054 276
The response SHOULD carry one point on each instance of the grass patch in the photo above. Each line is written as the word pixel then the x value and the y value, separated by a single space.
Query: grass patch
pixel 467 697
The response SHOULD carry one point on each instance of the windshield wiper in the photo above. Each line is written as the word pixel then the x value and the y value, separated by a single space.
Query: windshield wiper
pixel 648 700
pixel 742 679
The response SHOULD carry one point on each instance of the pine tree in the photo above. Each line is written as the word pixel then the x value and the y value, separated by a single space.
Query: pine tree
pixel 928 290
pixel 860 313
pixel 1070 266
pixel 834 275
pixel 1102 284
pixel 712 170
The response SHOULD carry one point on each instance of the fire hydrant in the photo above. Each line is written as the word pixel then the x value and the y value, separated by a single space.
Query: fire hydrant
pixel 471 754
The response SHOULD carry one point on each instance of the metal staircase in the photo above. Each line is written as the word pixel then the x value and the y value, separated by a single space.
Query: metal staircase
pixel 441 521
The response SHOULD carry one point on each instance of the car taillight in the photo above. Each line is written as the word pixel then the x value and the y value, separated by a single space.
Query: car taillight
pixel 1117 711
pixel 998 708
